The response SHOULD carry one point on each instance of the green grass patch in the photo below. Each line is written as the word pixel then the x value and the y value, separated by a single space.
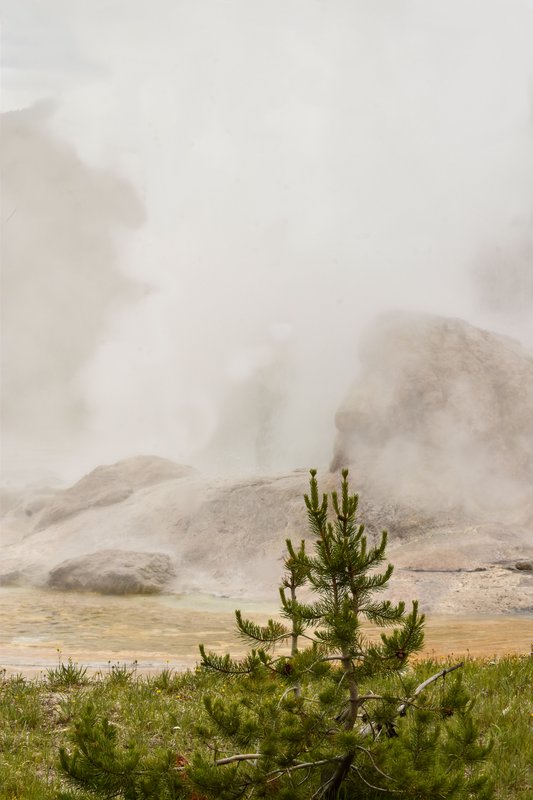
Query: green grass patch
pixel 159 715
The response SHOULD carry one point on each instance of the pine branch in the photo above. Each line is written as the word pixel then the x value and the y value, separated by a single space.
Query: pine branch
pixel 296 566
pixel 268 635
pixel 406 640
pixel 226 665
pixel 383 613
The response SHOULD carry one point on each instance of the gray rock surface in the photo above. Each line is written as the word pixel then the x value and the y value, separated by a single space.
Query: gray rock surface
pixel 228 538
pixel 107 485
pixel 12 578
pixel 114 572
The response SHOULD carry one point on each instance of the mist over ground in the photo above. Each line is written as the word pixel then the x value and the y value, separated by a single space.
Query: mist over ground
pixel 217 198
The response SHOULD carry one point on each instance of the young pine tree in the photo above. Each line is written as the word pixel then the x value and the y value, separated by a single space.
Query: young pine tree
pixel 105 766
pixel 317 710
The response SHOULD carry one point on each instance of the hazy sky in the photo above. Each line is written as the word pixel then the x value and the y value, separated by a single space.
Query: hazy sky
pixel 294 168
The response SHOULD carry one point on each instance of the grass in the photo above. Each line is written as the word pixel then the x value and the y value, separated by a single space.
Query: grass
pixel 160 714
pixel 69 674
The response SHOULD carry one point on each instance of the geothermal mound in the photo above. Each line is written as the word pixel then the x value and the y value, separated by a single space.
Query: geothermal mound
pixel 441 417
pixel 438 433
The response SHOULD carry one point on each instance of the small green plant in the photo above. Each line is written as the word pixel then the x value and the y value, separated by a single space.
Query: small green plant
pixel 122 674
pixel 112 767
pixel 167 681
pixel 66 674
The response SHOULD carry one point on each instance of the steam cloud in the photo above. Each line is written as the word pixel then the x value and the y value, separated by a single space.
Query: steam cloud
pixel 61 283
pixel 503 278
pixel 303 167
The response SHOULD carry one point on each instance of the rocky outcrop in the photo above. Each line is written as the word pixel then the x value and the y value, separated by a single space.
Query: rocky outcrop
pixel 438 433
pixel 228 538
pixel 224 536
pixel 11 578
pixel 441 417
pixel 107 485
pixel 114 572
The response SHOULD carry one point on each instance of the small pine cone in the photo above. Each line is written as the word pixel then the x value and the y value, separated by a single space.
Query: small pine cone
pixel 400 654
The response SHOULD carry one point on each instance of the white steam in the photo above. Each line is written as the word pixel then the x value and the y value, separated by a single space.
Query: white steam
pixel 61 283
pixel 303 166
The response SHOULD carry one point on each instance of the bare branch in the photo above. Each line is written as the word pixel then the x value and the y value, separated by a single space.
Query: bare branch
pixel 239 757
pixel 295 689
pixel 403 706
pixel 305 778
pixel 371 785
pixel 359 656
pixel 364 697
pixel 426 683
pixel 302 765
pixel 371 757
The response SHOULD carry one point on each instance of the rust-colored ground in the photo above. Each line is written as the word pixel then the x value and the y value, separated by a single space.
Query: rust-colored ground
pixel 160 631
